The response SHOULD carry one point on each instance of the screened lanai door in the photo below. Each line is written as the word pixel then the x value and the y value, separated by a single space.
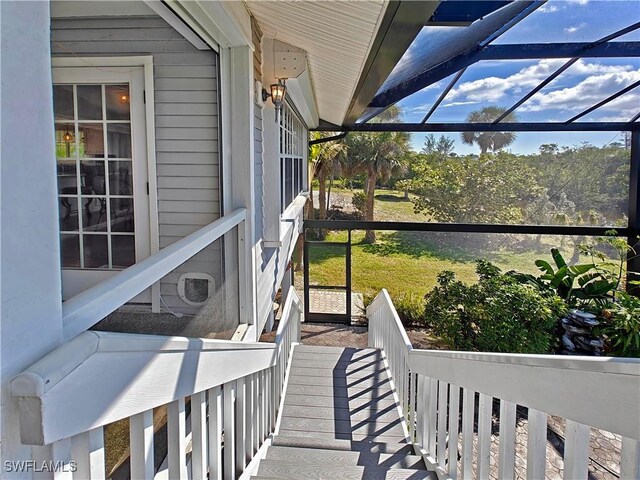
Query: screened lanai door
pixel 102 173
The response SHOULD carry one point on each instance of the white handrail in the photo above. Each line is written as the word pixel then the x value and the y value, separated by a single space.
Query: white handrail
pixel 100 377
pixel 87 308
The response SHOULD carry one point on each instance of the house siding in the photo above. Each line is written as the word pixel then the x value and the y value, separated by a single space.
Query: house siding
pixel 187 126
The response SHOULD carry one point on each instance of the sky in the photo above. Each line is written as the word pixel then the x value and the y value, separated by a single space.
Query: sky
pixel 503 83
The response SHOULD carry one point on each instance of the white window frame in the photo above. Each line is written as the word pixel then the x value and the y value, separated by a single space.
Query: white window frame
pixel 293 150
pixel 146 62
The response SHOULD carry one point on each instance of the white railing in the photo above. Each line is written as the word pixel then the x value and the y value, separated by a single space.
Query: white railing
pixel 234 388
pixel 90 306
pixel 438 390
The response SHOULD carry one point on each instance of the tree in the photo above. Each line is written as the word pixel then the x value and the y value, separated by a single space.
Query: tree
pixel 442 146
pixel 493 141
pixel 494 188
pixel 326 159
pixel 378 156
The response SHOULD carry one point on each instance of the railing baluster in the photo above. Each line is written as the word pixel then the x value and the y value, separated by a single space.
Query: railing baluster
pixel 442 423
pixel 229 468
pixel 250 424
pixel 433 415
pixel 412 406
pixel 484 436
pixel 576 450
pixel 61 453
pixel 215 433
pixel 240 425
pixel 422 407
pixel 454 418
pixel 199 436
pixel 630 458
pixel 507 457
pixel 536 444
pixel 141 445
pixel 255 412
pixel 263 405
pixel 87 450
pixel 468 413
pixel 176 439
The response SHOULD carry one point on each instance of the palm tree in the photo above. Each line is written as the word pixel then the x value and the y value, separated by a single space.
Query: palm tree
pixel 378 156
pixel 326 159
pixel 493 141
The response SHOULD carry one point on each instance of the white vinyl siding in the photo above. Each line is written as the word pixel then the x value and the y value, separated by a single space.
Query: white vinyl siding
pixel 187 124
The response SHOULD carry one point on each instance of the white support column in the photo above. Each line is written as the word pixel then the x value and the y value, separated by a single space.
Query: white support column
pixel 242 193
pixel 31 300
pixel 270 154
pixel 630 460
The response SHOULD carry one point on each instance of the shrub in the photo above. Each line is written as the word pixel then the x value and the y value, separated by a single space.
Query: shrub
pixel 498 314
pixel 359 202
pixel 622 326
pixel 410 308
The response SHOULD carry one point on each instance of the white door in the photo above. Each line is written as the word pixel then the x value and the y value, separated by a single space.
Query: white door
pixel 102 173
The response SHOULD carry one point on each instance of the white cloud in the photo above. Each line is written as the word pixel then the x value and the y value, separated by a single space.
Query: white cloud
pixel 579 2
pixel 587 93
pixel 574 28
pixel 548 8
pixel 493 89
pixel 457 104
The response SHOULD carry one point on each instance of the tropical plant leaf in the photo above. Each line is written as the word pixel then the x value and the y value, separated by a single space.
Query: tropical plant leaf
pixel 558 258
pixel 580 269
pixel 545 267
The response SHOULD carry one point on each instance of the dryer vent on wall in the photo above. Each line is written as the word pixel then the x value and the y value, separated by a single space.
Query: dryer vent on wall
pixel 196 288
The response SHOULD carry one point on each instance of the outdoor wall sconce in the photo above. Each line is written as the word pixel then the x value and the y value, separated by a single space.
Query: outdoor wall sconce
pixel 278 91
pixel 67 137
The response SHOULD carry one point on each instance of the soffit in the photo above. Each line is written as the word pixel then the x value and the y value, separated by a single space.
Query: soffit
pixel 337 37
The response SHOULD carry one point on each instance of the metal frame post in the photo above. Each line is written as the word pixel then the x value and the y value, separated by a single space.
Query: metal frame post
pixel 633 261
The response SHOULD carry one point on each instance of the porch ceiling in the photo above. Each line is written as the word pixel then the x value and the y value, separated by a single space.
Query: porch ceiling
pixel 337 37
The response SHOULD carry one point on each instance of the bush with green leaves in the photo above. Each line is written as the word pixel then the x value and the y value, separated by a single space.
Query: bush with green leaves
pixel 498 314
pixel 410 308
pixel 622 326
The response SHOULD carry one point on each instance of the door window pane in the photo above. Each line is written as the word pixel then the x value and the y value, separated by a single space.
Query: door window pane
pixel 119 140
pixel 63 102
pixel 123 251
pixel 94 214
pixel 89 102
pixel 70 250
pixel 96 251
pixel 120 178
pixel 117 100
pixel 65 140
pixel 122 214
pixel 93 177
pixel 68 213
pixel 91 140
pixel 67 177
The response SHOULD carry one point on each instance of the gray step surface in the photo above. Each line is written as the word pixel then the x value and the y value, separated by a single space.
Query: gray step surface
pixel 340 420
pixel 296 470
pixel 350 458
pixel 365 445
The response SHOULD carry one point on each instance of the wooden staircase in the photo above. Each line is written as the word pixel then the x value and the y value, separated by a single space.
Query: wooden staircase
pixel 340 420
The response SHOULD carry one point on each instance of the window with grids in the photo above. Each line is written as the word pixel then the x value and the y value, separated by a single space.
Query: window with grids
pixel 95 175
pixel 293 154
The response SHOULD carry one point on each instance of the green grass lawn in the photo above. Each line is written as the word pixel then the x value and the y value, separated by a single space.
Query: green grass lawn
pixel 409 262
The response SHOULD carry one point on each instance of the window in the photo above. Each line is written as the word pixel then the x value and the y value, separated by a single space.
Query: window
pixel 293 154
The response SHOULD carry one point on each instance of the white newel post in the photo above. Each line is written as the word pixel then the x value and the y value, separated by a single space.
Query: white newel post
pixel 31 299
